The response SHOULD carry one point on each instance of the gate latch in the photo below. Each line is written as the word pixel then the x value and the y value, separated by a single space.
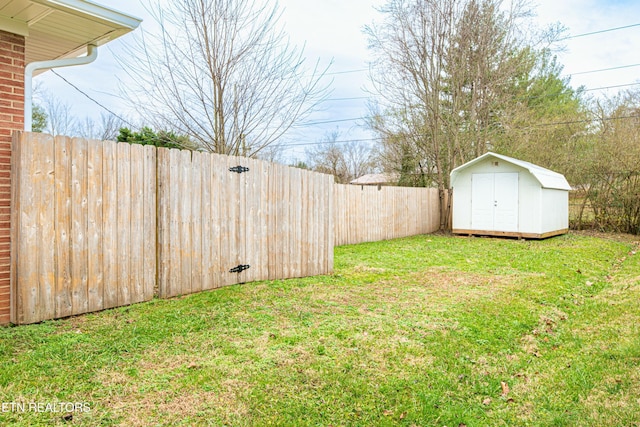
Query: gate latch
pixel 239 169
pixel 239 269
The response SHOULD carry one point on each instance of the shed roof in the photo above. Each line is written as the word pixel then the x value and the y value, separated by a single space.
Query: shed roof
pixel 375 179
pixel 547 178
pixel 56 29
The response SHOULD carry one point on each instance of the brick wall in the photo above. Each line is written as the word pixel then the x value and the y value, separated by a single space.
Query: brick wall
pixel 11 118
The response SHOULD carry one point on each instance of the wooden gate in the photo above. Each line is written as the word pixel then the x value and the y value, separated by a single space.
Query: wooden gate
pixel 225 220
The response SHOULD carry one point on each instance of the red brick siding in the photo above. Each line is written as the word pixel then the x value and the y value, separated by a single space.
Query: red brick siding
pixel 11 118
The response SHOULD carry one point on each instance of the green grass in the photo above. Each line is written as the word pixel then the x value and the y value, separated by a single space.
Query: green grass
pixel 423 331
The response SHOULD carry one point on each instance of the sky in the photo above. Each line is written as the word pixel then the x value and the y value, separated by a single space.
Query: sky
pixel 332 33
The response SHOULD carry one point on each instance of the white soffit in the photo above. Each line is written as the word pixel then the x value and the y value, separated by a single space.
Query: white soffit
pixel 57 29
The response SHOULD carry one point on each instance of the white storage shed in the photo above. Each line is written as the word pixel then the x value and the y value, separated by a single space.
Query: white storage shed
pixel 496 195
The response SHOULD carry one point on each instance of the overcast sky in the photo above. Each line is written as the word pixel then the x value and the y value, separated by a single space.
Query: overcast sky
pixel 332 32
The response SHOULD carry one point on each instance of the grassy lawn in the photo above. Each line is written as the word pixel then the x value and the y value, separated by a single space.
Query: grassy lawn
pixel 423 331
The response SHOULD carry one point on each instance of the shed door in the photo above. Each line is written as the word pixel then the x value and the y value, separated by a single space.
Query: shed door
pixel 494 201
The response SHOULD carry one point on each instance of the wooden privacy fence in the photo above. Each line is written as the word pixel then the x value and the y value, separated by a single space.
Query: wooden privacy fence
pixel 99 224
pixel 372 213
pixel 83 226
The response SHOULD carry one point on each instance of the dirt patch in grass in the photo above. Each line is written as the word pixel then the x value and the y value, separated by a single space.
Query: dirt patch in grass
pixel 182 408
pixel 617 237
pixel 415 288
pixel 458 286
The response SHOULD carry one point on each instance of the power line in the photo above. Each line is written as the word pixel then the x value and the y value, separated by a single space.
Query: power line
pixel 301 144
pixel 355 98
pixel 605 69
pixel 364 118
pixel 359 70
pixel 598 32
pixel 330 121
pixel 103 106
pixel 353 119
pixel 92 99
pixel 572 122
pixel 611 87
pixel 538 125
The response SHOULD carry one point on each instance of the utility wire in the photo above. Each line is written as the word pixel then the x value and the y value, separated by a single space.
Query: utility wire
pixel 605 69
pixel 324 122
pixel 353 119
pixel 606 30
pixel 359 70
pixel 92 99
pixel 539 125
pixel 364 118
pixel 128 123
pixel 354 98
pixel 598 32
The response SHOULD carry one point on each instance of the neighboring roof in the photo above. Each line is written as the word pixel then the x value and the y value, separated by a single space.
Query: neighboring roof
pixel 547 178
pixel 56 29
pixel 375 179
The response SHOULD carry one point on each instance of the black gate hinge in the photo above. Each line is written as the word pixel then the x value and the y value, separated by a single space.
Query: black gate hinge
pixel 239 169
pixel 240 268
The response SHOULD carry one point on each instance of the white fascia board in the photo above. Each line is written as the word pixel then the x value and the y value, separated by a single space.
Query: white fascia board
pixel 90 10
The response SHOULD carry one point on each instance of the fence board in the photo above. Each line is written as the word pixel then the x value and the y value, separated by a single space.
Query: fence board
pixel 46 260
pixel 272 219
pixel 62 173
pixel 218 229
pixel 186 220
pixel 164 225
pixel 251 220
pixel 259 232
pixel 239 243
pixel 27 294
pixel 136 237
pixel 207 226
pixel 328 227
pixel 296 220
pixel 196 222
pixel 265 202
pixel 224 259
pixel 79 226
pixel 149 223
pixel 173 252
pixel 317 237
pixel 95 281
pixel 123 156
pixel 230 217
pixel 110 225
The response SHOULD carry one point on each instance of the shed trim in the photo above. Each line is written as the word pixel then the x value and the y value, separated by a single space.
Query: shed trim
pixel 547 178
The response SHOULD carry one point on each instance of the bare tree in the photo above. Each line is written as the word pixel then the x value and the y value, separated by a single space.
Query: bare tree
pixel 345 161
pixel 60 117
pixel 610 168
pixel 222 72
pixel 441 71
pixel 106 129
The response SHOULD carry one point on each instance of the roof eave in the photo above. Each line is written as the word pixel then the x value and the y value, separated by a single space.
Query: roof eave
pixel 90 10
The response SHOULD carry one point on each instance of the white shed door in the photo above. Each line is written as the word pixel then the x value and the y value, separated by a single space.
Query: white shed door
pixel 494 201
